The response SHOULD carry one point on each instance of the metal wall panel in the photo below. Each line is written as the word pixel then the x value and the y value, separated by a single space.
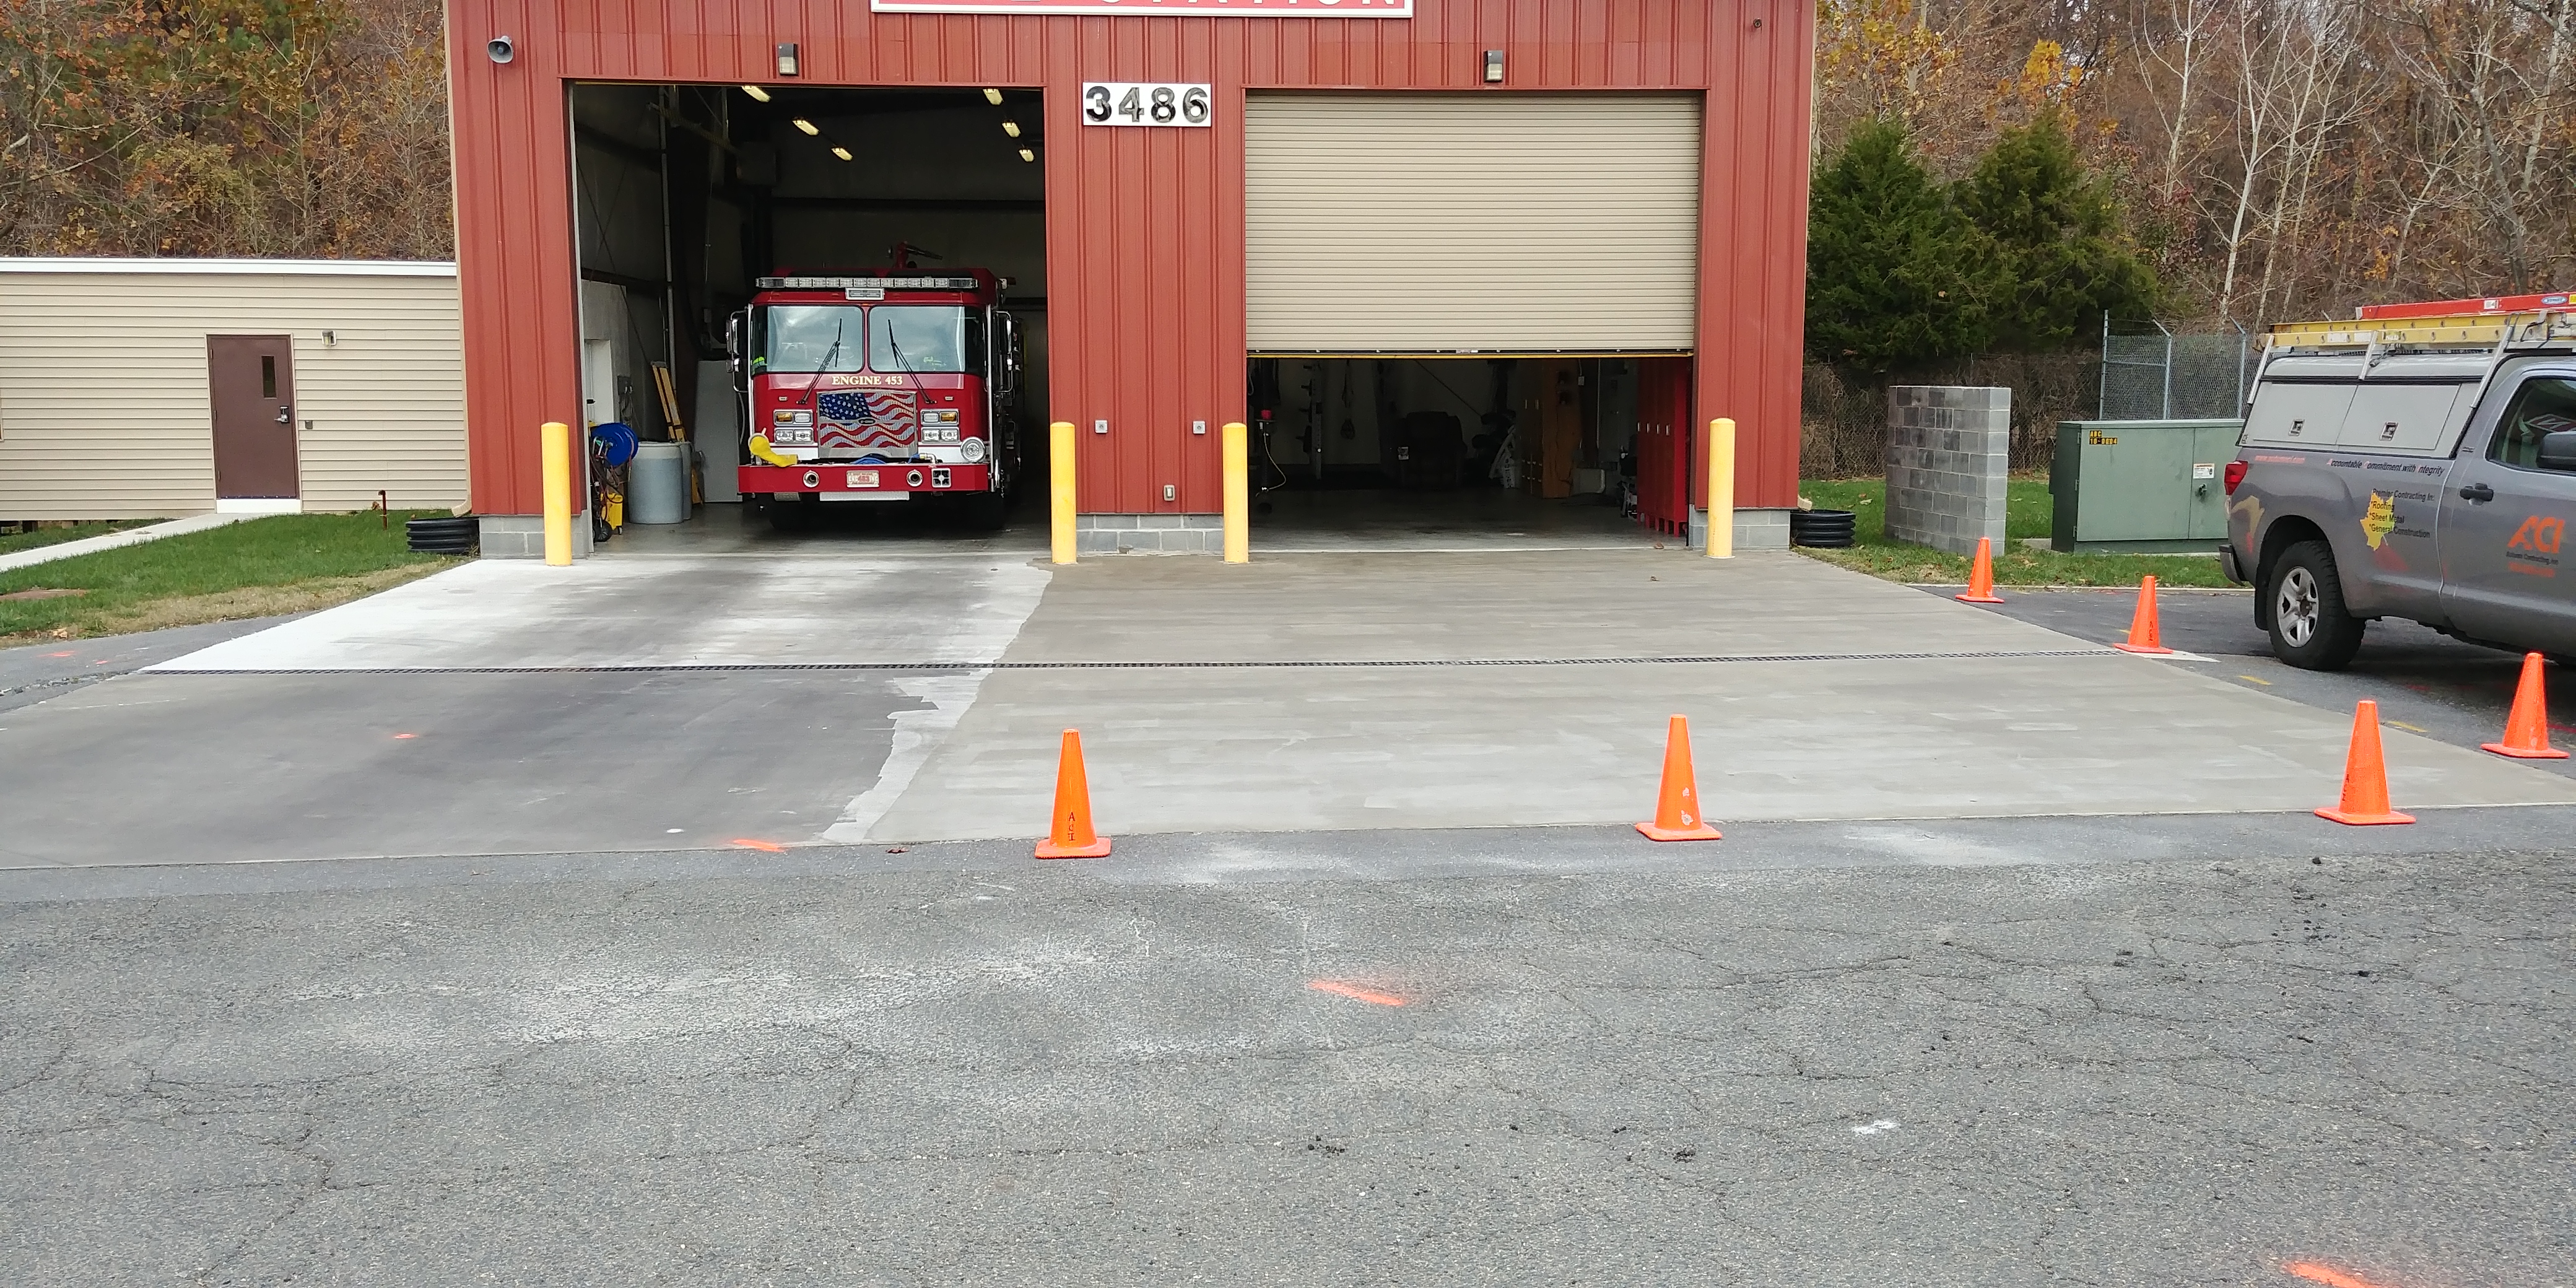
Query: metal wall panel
pixel 1443 223
pixel 1146 301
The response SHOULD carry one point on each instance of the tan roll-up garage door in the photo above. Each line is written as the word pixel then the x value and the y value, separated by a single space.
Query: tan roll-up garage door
pixel 1502 222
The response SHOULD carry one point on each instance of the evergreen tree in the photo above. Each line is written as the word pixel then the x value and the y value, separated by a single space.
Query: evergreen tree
pixel 2063 261
pixel 1893 272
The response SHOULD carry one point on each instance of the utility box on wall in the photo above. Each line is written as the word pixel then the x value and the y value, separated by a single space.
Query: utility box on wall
pixel 2141 486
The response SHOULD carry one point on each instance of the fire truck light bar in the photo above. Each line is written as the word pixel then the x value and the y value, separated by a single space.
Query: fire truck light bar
pixel 862 283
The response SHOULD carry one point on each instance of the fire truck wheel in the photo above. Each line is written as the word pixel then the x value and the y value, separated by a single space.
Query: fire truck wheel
pixel 985 511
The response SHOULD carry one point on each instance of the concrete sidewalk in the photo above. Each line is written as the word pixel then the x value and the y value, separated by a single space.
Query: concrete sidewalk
pixel 118 540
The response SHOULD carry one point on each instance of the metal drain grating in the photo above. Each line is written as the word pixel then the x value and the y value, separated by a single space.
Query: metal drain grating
pixel 1360 664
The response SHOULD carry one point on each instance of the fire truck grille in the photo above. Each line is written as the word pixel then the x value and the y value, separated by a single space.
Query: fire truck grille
pixel 867 419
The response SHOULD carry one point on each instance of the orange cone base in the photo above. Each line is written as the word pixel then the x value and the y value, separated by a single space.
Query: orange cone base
pixel 2519 753
pixel 1096 850
pixel 2365 820
pixel 1703 832
pixel 2143 648
pixel 1979 599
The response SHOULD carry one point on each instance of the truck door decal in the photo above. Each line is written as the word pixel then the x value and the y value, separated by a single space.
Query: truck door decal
pixel 2378 519
pixel 2533 547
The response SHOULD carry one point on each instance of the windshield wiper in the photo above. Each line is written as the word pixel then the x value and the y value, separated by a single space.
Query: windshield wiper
pixel 828 355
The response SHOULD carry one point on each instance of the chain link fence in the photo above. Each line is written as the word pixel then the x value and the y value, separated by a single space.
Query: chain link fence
pixel 1845 411
pixel 2162 374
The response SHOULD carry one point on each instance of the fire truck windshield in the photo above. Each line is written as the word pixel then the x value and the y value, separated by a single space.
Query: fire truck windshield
pixel 809 337
pixel 925 338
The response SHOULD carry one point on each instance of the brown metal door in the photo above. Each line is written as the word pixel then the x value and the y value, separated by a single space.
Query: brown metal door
pixel 250 381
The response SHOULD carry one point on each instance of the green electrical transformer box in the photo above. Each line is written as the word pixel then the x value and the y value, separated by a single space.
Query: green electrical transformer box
pixel 2140 486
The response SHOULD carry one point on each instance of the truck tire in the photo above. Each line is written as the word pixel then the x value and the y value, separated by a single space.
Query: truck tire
pixel 2310 628
pixel 792 516
pixel 985 511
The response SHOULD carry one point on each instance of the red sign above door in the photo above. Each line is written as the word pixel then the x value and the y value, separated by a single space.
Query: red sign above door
pixel 1161 8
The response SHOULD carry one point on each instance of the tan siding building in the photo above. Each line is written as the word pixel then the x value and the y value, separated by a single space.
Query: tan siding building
pixel 106 409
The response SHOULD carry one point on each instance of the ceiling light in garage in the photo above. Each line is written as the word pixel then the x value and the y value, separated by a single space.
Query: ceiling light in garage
pixel 841 152
pixel 1027 155
pixel 758 94
pixel 806 125
pixel 993 96
pixel 1011 128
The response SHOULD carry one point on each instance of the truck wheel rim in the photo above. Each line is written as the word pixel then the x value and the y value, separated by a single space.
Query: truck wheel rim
pixel 2297 609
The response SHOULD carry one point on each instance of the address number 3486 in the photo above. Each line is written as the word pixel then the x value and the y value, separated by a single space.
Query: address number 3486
pixel 1143 103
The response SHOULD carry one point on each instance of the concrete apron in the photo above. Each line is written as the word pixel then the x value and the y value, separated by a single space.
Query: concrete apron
pixel 1333 691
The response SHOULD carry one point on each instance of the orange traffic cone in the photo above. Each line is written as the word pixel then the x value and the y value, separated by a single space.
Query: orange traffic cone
pixel 2365 775
pixel 2144 636
pixel 1677 813
pixel 1981 576
pixel 2526 731
pixel 1070 835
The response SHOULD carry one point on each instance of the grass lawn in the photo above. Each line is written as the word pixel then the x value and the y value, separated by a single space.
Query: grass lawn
pixel 287 563
pixel 12 542
pixel 2027 509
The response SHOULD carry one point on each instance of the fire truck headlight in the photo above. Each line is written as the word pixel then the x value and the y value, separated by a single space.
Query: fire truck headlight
pixel 782 416
pixel 974 452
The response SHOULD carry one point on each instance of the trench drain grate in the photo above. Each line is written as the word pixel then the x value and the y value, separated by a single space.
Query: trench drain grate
pixel 1248 665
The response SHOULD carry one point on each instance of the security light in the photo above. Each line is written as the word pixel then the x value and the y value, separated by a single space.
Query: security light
pixel 787 58
pixel 807 126
pixel 758 95
pixel 1027 155
pixel 993 96
pixel 1493 67
pixel 841 152
pixel 1011 128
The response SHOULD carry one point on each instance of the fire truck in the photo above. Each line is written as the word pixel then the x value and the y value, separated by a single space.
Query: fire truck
pixel 886 385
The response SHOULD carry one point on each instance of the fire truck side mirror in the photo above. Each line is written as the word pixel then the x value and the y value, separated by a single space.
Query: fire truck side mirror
pixel 1008 355
pixel 733 352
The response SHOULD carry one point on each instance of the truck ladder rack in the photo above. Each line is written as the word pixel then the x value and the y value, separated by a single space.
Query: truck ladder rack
pixel 2460 331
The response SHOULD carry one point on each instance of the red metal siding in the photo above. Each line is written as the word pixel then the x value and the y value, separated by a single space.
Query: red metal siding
pixel 1144 227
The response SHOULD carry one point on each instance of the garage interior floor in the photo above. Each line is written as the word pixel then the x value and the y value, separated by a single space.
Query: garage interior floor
pixel 643 704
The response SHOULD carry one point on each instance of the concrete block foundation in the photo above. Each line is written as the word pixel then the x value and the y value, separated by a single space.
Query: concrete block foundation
pixel 523 536
pixel 1754 529
pixel 1148 534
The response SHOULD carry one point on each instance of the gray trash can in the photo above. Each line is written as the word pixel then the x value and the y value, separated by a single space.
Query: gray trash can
pixel 657 484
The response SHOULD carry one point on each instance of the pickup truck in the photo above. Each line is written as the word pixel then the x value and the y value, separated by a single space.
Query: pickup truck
pixel 2427 474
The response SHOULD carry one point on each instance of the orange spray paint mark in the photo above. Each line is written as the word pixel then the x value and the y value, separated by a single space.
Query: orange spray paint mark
pixel 2327 1275
pixel 406 735
pixel 1354 992
pixel 64 653
pixel 771 847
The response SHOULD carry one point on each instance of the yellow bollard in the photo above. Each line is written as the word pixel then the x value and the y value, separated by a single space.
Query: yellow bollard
pixel 555 475
pixel 1721 488
pixel 1238 495
pixel 1060 487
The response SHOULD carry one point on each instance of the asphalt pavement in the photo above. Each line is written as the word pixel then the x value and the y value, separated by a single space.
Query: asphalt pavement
pixel 1190 1063
pixel 34 673
pixel 2425 682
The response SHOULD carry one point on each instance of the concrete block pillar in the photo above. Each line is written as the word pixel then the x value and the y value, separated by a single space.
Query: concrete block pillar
pixel 1949 448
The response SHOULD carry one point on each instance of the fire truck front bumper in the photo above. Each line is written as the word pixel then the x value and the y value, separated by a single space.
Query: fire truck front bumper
pixel 839 479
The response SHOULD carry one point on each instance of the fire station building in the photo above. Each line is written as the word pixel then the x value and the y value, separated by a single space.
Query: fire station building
pixel 1421 245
